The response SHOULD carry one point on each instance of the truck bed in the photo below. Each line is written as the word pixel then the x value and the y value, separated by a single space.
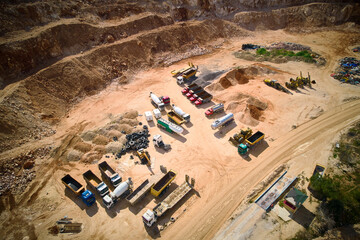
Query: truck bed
pixel 175 117
pixel 255 138
pixel 164 180
pixel 72 183
pixel 171 200
pixel 140 191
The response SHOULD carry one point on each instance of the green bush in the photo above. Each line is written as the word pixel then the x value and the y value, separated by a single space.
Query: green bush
pixel 261 51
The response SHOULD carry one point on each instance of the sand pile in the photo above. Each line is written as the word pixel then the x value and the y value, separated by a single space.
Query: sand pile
pixel 83 147
pixel 74 155
pixel 91 157
pixel 100 140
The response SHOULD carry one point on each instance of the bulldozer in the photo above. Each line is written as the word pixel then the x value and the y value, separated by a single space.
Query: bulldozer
pixel 274 83
pixel 240 137
pixel 144 156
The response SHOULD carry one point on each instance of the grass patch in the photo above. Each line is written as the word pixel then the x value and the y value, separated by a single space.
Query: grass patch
pixel 302 55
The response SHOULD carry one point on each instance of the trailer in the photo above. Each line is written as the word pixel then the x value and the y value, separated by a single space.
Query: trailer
pixel 194 97
pixel 175 118
pixel 215 109
pixel 203 99
pixel 188 88
pixel 96 183
pixel 250 142
pixel 79 190
pixel 140 192
pixel 223 121
pixel 109 173
pixel 163 183
pixel 150 217
pixel 169 126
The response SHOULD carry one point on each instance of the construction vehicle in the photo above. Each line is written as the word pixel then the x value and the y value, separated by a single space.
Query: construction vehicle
pixel 150 217
pixel 274 83
pixel 161 186
pixel 194 91
pixel 203 99
pixel 96 183
pixel 240 137
pixel 214 109
pixel 120 191
pixel 157 102
pixel 181 113
pixel 144 188
pixel 194 97
pixel 175 118
pixel 109 173
pixel 169 126
pixel 188 88
pixel 293 85
pixel 185 74
pixel 144 156
pixel 176 73
pixel 85 195
pixel 165 99
pixel 157 139
pixel 250 142
pixel 223 121
pixel 304 81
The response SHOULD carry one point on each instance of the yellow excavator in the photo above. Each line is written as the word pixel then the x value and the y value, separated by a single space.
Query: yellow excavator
pixel 274 83
pixel 144 156
pixel 293 85
pixel 240 137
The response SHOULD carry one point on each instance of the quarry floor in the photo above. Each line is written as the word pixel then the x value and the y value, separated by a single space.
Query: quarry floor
pixel 223 178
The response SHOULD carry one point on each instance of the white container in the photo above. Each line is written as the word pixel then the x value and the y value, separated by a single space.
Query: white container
pixel 148 116
pixel 157 113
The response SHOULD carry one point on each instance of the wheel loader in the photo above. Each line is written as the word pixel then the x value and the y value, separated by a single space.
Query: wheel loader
pixel 240 137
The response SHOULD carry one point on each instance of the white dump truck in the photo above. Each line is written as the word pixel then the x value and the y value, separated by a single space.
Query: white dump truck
pixel 119 192
pixel 181 113
pixel 96 183
pixel 109 173
pixel 157 102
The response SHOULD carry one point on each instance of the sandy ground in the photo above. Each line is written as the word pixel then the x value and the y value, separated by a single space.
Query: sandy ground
pixel 223 178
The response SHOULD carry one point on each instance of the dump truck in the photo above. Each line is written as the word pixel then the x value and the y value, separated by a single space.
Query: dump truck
pixel 160 187
pixel 186 75
pixel 150 217
pixel 223 121
pixel 169 126
pixel 109 173
pixel 158 142
pixel 157 102
pixel 250 142
pixel 177 73
pixel 194 91
pixel 194 97
pixel 240 137
pixel 79 190
pixel 144 156
pixel 175 118
pixel 181 113
pixel 96 183
pixel 143 189
pixel 214 109
pixel 188 88
pixel 120 191
pixel 203 99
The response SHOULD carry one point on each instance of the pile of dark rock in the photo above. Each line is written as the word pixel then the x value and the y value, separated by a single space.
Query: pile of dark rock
pixel 135 141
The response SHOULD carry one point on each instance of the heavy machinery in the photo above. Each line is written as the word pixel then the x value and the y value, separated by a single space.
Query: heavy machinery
pixel 240 137
pixel 175 118
pixel 160 187
pixel 195 96
pixel 144 188
pixel 157 102
pixel 194 91
pixel 250 142
pixel 274 83
pixel 150 217
pixel 144 156
pixel 293 85
pixel 177 73
pixel 119 192
pixel 192 86
pixel 85 195
pixel 157 139
pixel 169 126
pixel 214 109
pixel 186 74
pixel 96 183
pixel 304 81
pixel 223 121
pixel 181 113
pixel 109 173
pixel 203 99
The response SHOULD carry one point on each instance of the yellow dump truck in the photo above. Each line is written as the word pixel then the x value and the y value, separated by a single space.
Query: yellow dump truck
pixel 161 186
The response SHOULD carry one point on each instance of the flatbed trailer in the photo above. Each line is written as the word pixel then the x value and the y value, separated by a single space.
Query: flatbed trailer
pixel 163 183
pixel 140 192
pixel 171 200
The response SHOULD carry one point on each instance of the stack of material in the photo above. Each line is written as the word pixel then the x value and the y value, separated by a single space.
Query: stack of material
pixel 348 71
pixel 289 46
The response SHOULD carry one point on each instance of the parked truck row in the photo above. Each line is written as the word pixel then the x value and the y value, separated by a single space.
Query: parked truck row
pixel 196 94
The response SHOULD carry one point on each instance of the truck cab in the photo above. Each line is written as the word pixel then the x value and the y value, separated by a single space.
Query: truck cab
pixel 243 149
pixel 149 218
pixel 88 198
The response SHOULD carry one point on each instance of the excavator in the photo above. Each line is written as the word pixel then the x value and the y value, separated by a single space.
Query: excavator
pixel 144 156
pixel 293 84
pixel 300 82
pixel 240 137
pixel 273 83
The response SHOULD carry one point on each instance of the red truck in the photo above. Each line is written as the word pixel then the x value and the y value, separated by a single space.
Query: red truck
pixel 203 99
pixel 215 109
pixel 194 97
pixel 185 90
pixel 194 91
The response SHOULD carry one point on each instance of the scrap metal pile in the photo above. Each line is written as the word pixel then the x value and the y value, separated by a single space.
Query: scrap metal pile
pixel 288 46
pixel 348 71
pixel 135 141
